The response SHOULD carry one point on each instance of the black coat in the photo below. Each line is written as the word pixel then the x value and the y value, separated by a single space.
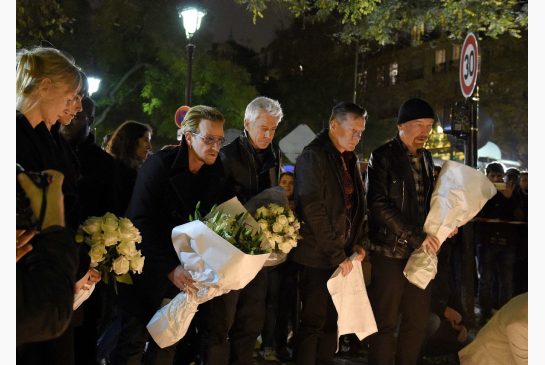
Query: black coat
pixel 45 286
pixel 250 172
pixel 96 188
pixel 394 219
pixel 320 204
pixel 164 196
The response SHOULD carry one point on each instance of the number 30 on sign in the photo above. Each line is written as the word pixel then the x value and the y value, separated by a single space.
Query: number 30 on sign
pixel 469 62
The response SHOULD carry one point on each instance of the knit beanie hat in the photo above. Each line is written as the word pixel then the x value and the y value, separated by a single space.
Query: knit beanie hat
pixel 414 109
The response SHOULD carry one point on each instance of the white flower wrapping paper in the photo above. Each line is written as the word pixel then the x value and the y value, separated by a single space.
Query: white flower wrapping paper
pixel 349 296
pixel 460 193
pixel 217 267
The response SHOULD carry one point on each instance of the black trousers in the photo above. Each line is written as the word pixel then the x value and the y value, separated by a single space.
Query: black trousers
pixel 316 340
pixel 249 319
pixel 392 295
pixel 233 322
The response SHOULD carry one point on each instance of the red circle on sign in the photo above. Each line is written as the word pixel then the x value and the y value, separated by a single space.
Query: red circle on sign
pixel 469 62
pixel 180 115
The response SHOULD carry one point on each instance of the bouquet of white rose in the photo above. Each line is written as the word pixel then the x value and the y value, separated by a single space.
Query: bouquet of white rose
pixel 222 253
pixel 460 193
pixel 279 227
pixel 113 247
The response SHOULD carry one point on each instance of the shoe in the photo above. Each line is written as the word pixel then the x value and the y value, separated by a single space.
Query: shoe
pixel 268 354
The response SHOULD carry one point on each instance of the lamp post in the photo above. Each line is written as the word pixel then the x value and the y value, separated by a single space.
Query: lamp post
pixel 191 20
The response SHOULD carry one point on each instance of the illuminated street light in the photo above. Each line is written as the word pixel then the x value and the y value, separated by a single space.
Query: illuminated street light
pixel 191 20
pixel 94 84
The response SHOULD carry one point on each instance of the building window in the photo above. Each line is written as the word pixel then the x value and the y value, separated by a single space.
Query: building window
pixel 393 73
pixel 456 49
pixel 440 60
pixel 416 34
pixel 381 79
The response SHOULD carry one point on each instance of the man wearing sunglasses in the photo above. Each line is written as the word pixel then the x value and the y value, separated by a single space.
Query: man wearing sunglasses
pixel 168 187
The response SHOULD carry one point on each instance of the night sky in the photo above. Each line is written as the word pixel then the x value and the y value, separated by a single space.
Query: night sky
pixel 225 17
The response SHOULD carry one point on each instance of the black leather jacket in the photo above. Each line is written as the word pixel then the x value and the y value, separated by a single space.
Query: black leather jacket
pixel 395 224
pixel 246 173
pixel 319 202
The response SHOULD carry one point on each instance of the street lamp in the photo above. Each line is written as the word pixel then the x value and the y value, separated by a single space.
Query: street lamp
pixel 94 84
pixel 191 20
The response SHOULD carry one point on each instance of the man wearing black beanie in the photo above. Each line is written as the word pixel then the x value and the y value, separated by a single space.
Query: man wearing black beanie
pixel 400 183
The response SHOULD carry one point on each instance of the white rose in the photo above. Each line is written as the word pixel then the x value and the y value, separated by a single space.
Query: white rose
pixel 127 248
pixel 276 238
pixel 296 225
pixel 277 209
pixel 290 231
pixel 110 238
pixel 121 265
pixel 109 222
pixel 285 247
pixel 277 227
pixel 92 225
pixel 262 212
pixel 137 262
pixel 97 239
pixel 125 223
pixel 263 224
pixel 97 253
pixel 282 220
pixel 291 217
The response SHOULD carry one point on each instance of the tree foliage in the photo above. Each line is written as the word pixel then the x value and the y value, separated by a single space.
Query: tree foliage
pixel 381 21
pixel 39 20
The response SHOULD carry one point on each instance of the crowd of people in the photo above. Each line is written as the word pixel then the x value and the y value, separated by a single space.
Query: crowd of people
pixel 377 215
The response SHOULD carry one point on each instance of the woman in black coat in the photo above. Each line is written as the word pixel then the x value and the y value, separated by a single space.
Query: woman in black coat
pixel 130 146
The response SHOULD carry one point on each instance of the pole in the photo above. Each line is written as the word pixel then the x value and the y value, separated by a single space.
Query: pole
pixel 356 73
pixel 474 128
pixel 188 88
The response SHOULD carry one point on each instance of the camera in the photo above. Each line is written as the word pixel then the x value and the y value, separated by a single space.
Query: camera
pixel 457 118
pixel 25 218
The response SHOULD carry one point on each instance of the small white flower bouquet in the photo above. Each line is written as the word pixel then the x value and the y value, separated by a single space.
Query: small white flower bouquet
pixel 279 226
pixel 460 193
pixel 222 253
pixel 113 247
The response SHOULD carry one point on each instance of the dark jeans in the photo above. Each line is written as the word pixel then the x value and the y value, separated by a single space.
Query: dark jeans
pixel 392 295
pixel 249 318
pixel 274 281
pixel 496 262
pixel 316 340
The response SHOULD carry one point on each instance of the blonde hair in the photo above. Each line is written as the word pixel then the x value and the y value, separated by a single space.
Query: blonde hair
pixel 197 113
pixel 39 63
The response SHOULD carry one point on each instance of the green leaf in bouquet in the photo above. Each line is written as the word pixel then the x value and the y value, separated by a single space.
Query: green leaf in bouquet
pixel 125 278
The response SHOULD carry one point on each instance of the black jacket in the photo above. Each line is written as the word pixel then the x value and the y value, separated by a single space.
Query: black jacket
pixel 164 196
pixel 45 286
pixel 96 187
pixel 319 202
pixel 395 224
pixel 248 171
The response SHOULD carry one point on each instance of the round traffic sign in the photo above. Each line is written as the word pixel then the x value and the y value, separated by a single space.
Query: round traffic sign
pixel 180 115
pixel 469 61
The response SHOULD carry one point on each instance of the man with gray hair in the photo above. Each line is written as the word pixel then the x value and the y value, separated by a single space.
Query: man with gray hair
pixel 252 164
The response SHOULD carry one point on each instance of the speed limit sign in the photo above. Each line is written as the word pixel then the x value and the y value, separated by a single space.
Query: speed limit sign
pixel 469 62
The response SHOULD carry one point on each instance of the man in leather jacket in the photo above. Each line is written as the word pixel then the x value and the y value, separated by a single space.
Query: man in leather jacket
pixel 252 164
pixel 400 184
pixel 330 201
